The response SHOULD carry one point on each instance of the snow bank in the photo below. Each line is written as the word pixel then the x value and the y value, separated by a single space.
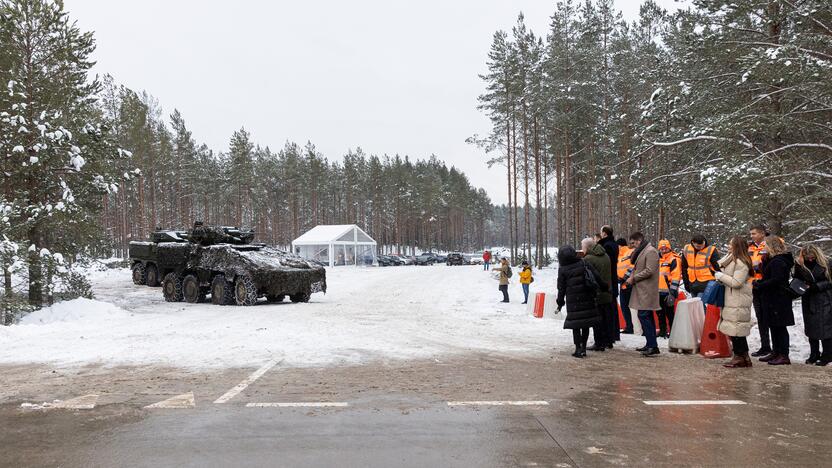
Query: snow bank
pixel 76 310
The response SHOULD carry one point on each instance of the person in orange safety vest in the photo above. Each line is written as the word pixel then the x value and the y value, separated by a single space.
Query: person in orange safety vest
pixel 624 270
pixel 758 252
pixel 670 276
pixel 699 262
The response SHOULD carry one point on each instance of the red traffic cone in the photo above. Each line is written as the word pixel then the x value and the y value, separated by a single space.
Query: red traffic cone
pixel 622 324
pixel 539 301
pixel 714 344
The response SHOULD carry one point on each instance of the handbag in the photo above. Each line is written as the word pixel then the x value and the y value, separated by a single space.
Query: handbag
pixel 798 287
pixel 714 294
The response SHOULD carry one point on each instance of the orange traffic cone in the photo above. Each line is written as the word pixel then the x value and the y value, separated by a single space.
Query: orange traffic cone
pixel 714 344
pixel 539 301
pixel 679 297
pixel 622 324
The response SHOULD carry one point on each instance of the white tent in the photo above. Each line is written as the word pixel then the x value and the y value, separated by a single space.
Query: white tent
pixel 343 244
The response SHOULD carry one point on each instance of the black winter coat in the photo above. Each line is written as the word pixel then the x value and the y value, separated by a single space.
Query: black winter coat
pixel 817 301
pixel 609 245
pixel 775 298
pixel 581 308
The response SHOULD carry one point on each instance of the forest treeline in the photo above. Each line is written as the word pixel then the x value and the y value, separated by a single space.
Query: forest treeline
pixel 401 202
pixel 709 119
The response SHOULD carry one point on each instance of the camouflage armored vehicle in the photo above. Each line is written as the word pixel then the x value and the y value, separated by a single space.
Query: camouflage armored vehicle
pixel 149 267
pixel 223 262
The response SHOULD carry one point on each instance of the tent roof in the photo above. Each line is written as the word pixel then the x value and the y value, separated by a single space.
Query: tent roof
pixel 325 234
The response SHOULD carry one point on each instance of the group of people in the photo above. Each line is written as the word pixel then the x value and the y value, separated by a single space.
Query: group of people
pixel 760 273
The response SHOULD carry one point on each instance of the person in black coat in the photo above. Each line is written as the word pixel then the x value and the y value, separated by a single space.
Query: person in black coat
pixel 776 299
pixel 611 247
pixel 579 297
pixel 813 268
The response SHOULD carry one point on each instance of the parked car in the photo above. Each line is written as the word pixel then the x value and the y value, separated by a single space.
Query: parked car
pixel 384 261
pixel 441 258
pixel 405 259
pixel 396 260
pixel 456 258
pixel 427 258
pixel 474 258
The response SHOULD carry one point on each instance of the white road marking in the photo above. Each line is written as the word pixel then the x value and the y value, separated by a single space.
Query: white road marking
pixel 186 400
pixel 498 403
pixel 311 404
pixel 81 402
pixel 693 402
pixel 248 381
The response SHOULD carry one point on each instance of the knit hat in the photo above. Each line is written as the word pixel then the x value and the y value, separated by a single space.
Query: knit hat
pixel 664 243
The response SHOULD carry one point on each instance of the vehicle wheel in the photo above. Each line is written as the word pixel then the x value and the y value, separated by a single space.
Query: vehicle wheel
pixel 139 274
pixel 172 287
pixel 278 298
pixel 301 297
pixel 245 292
pixel 191 290
pixel 222 291
pixel 152 275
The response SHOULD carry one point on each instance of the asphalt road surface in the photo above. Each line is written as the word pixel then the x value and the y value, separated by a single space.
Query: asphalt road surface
pixel 611 409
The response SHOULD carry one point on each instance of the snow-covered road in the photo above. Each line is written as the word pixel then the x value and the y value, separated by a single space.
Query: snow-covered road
pixel 369 313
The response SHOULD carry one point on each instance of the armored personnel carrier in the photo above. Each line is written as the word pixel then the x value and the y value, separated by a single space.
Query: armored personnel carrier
pixel 224 263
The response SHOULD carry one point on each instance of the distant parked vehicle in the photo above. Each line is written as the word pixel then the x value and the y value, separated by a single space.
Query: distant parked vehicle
pixel 405 259
pixel 456 258
pixel 474 258
pixel 396 260
pixel 427 258
pixel 441 258
pixel 384 261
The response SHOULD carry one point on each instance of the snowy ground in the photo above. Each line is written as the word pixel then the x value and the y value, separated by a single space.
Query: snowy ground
pixel 369 314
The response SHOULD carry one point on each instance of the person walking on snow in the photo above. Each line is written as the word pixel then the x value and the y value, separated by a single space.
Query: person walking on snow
pixel 776 299
pixel 645 294
pixel 596 256
pixel 505 274
pixel 735 319
pixel 611 247
pixel 486 260
pixel 579 295
pixel 813 268
pixel 525 280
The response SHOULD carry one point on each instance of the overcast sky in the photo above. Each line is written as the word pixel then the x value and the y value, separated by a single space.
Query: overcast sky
pixel 388 76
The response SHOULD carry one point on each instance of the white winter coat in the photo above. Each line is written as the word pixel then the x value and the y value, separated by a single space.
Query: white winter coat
pixel 736 315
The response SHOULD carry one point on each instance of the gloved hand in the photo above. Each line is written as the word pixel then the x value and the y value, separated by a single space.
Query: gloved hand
pixel 670 300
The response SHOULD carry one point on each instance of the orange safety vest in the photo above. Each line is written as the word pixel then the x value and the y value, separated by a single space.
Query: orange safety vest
pixel 670 272
pixel 624 263
pixel 699 266
pixel 758 254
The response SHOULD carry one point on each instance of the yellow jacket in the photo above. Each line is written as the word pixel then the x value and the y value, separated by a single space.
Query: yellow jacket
pixel 526 276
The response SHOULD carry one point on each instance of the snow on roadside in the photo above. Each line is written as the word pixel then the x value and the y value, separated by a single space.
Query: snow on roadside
pixel 369 314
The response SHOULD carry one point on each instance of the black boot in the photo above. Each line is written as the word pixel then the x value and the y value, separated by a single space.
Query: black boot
pixel 813 358
pixel 577 352
pixel 650 352
pixel 596 347
pixel 761 352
